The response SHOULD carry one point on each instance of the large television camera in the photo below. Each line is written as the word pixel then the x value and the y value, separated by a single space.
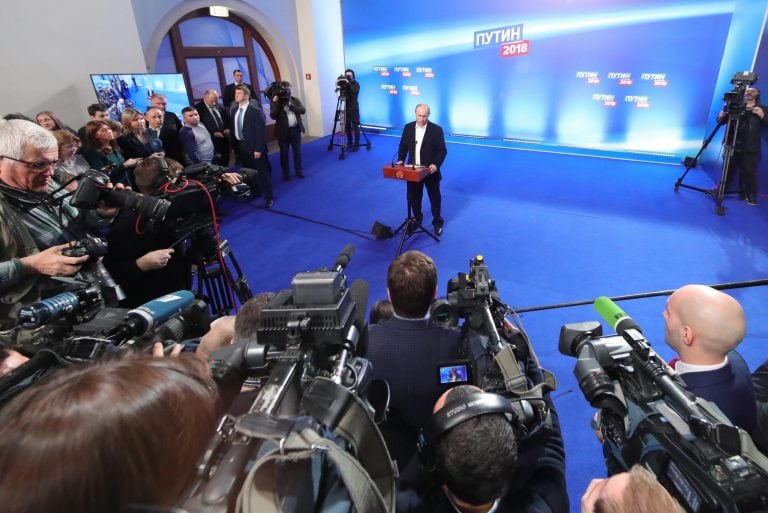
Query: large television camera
pixel 502 359
pixel 312 387
pixel 735 105
pixel 648 417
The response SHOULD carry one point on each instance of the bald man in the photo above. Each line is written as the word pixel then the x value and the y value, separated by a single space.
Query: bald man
pixel 704 326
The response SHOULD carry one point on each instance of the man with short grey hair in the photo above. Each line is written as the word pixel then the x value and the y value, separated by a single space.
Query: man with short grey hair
pixel 216 120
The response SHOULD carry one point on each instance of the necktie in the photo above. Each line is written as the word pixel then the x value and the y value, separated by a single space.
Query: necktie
pixel 216 117
pixel 239 125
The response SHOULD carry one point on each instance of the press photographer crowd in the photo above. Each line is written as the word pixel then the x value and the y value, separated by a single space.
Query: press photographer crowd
pixel 122 389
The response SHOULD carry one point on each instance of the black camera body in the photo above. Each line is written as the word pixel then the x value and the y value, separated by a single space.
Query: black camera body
pixel 93 188
pixel 647 417
pixel 277 89
pixel 735 105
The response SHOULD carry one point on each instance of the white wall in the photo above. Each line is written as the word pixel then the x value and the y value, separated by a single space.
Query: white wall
pixel 49 48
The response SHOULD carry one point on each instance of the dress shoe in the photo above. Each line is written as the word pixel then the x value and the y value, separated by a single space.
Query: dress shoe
pixel 269 203
pixel 299 174
pixel 438 230
pixel 752 200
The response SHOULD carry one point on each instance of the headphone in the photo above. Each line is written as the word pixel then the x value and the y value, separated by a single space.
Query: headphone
pixel 461 410
pixel 165 173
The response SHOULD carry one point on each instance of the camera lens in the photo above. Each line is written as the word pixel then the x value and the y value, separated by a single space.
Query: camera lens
pixel 148 206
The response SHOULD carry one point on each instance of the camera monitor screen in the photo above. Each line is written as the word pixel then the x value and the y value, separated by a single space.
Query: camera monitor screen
pixel 118 91
pixel 455 372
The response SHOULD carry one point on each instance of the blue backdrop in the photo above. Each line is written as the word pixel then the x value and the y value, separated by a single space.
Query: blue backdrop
pixel 636 77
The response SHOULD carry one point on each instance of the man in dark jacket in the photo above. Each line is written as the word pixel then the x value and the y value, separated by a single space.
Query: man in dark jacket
pixel 286 110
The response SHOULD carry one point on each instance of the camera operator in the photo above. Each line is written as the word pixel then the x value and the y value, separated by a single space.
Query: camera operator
pixel 636 491
pixel 475 462
pixel 704 326
pixel 747 144
pixel 406 349
pixel 350 88
pixel 140 257
pixel 115 436
pixel 286 110
pixel 37 223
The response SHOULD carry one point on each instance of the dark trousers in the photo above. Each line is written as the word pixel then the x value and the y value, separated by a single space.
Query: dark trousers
pixel 292 140
pixel 416 193
pixel 352 124
pixel 745 165
pixel 221 150
pixel 261 165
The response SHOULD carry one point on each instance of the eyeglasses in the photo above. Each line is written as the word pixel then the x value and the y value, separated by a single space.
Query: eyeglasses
pixel 37 167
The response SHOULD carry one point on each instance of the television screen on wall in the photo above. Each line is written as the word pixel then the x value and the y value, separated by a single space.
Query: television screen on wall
pixel 119 91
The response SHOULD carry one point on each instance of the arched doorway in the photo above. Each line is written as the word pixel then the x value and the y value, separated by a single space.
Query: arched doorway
pixel 206 49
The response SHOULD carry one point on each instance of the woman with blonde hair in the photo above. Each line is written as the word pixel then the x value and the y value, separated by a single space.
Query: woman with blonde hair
pixel 136 141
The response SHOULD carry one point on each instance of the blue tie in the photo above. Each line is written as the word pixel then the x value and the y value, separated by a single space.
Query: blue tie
pixel 239 125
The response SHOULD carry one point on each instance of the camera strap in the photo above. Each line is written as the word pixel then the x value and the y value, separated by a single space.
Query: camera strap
pixel 362 460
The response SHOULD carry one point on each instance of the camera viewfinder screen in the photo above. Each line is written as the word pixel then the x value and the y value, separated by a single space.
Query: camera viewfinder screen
pixel 453 374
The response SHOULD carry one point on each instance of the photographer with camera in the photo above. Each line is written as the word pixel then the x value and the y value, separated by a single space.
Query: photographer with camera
pixel 38 220
pixel 142 257
pixel 347 86
pixel 471 446
pixel 405 351
pixel 286 110
pixel 751 116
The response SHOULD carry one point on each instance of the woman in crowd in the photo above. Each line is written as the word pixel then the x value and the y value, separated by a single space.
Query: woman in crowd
pixel 136 141
pixel 102 152
pixel 51 121
pixel 113 436
pixel 70 163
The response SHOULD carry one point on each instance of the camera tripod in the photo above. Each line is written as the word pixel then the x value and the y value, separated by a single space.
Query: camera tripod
pixel 216 282
pixel 731 132
pixel 340 122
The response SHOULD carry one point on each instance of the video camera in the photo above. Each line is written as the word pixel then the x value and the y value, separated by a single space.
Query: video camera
pixel 342 84
pixel 648 417
pixel 735 105
pixel 277 89
pixel 501 356
pixel 94 271
pixel 312 384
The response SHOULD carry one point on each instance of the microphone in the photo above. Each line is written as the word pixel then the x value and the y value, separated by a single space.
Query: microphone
pixel 343 259
pixel 146 317
pixel 615 316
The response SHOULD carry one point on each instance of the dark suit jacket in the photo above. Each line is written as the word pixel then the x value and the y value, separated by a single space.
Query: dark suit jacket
pixel 254 129
pixel 730 388
pixel 171 120
pixel 228 96
pixel 207 119
pixel 171 140
pixel 405 353
pixel 433 150
pixel 132 147
pixel 277 112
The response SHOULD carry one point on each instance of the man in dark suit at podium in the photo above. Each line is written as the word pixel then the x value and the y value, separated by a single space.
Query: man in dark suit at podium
pixel 424 143
pixel 216 120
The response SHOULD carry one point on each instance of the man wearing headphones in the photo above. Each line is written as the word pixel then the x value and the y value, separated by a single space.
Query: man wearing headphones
pixel 485 455
pixel 147 260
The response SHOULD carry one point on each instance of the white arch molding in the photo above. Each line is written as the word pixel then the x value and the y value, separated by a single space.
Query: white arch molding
pixel 284 57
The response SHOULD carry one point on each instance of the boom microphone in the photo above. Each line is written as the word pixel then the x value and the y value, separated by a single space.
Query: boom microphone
pixel 615 316
pixel 145 318
pixel 343 259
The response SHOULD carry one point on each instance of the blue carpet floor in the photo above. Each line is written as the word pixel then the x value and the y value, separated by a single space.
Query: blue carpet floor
pixel 552 229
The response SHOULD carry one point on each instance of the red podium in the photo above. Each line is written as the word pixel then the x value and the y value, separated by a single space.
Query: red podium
pixel 408 173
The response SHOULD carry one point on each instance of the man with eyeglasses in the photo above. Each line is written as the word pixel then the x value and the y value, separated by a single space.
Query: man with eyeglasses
pixel 37 222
